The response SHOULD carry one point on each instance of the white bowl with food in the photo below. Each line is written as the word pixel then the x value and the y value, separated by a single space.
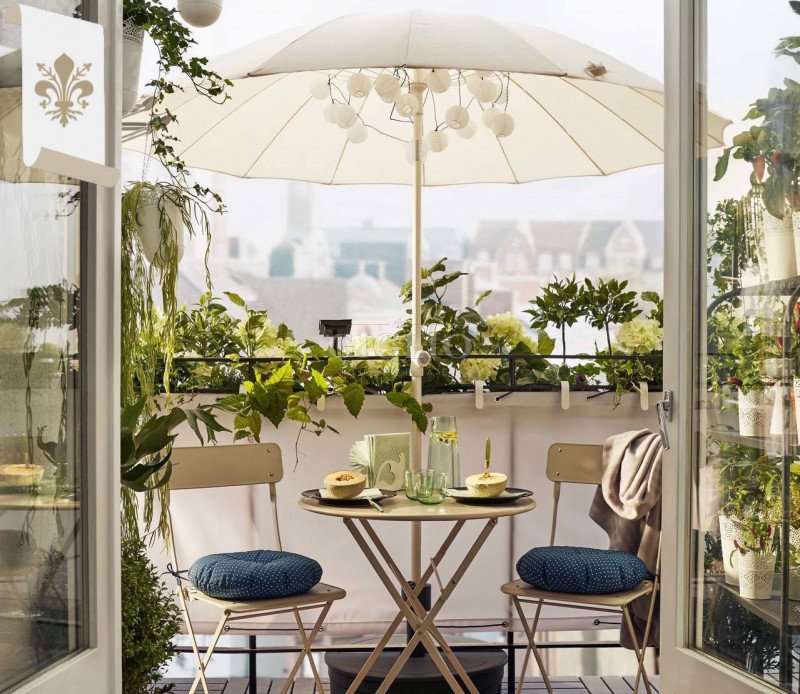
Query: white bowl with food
pixel 487 484
pixel 20 475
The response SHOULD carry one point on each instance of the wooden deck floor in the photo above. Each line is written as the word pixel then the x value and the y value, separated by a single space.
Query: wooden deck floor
pixel 534 685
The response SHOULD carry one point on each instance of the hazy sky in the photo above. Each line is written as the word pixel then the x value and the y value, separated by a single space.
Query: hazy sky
pixel 741 67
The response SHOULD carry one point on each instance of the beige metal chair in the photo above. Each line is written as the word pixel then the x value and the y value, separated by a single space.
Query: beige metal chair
pixel 231 466
pixel 580 464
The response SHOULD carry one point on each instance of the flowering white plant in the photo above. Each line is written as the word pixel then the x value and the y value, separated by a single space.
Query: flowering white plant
pixel 639 336
pixel 504 327
pixel 374 346
pixel 478 369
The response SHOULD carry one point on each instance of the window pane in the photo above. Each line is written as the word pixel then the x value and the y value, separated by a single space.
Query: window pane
pixel 746 546
pixel 41 522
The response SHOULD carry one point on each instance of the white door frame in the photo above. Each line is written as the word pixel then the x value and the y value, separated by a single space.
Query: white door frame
pixel 683 669
pixel 97 668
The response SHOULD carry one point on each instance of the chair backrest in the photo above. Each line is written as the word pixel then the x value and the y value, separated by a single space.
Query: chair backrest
pixel 203 467
pixel 572 463
pixel 577 463
pixel 198 467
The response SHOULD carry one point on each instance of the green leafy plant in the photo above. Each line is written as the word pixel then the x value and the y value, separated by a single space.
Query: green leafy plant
pixel 744 475
pixel 750 352
pixel 150 622
pixel 773 146
pixel 730 248
pixel 145 456
pixel 608 303
pixel 174 42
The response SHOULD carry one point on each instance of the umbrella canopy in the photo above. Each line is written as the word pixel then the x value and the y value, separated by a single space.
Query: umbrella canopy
pixel 576 111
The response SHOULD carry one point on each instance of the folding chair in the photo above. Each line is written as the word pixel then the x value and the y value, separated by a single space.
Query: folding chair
pixel 580 464
pixel 230 466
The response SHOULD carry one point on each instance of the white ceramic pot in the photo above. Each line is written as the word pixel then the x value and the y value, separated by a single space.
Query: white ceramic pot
pixel 779 245
pixel 148 219
pixel 755 413
pixel 200 13
pixel 730 529
pixel 756 574
pixel 132 41
pixel 776 395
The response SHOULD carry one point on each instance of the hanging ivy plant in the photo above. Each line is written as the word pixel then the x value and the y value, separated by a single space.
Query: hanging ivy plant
pixel 173 41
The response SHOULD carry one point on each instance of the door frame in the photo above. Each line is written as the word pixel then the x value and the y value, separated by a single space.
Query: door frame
pixel 683 668
pixel 97 667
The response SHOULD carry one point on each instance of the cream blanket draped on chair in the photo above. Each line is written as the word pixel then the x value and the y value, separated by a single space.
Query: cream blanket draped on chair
pixel 627 505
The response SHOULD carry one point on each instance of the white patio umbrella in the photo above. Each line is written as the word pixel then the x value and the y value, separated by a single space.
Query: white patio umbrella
pixel 534 105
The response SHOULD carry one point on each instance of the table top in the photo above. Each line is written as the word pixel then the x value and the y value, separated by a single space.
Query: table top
pixel 399 508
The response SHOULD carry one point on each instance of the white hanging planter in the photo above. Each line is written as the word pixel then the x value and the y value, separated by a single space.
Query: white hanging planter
pixel 148 223
pixel 779 246
pixel 200 13
pixel 756 573
pixel 776 427
pixel 730 530
pixel 754 413
pixel 132 42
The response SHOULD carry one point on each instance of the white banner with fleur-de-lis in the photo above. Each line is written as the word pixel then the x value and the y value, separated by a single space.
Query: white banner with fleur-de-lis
pixel 63 95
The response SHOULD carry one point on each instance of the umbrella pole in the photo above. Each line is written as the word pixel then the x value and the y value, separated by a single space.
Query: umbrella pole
pixel 417 88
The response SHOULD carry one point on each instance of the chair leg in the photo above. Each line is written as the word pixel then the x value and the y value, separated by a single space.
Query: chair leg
pixel 648 627
pixel 640 652
pixel 192 637
pixel 306 650
pixel 202 664
pixel 530 631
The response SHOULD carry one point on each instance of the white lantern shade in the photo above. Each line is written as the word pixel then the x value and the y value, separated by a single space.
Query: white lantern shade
pixel 320 89
pixel 330 111
pixel 359 85
pixel 468 130
pixel 488 115
pixel 436 141
pixel 484 73
pixel 423 152
pixel 484 90
pixel 456 117
pixel 502 125
pixel 387 87
pixel 346 116
pixel 407 104
pixel 357 133
pixel 439 81
pixel 200 13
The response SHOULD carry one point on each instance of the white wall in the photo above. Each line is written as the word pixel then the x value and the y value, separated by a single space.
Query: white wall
pixel 521 426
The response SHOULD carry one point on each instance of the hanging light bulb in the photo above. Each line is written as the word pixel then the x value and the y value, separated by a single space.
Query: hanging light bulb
pixel 320 89
pixel 468 130
pixel 488 115
pixel 407 104
pixel 387 87
pixel 456 117
pixel 329 112
pixel 502 124
pixel 438 81
pixel 484 90
pixel 357 133
pixel 410 152
pixel 359 85
pixel 346 116
pixel 436 141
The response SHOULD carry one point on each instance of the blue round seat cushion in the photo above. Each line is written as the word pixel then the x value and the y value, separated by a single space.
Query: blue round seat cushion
pixel 259 574
pixel 581 570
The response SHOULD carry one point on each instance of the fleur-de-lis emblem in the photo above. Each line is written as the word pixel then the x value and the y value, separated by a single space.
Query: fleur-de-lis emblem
pixel 65 89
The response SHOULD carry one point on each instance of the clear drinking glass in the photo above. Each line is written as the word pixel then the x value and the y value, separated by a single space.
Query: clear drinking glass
pixel 411 485
pixel 443 448
pixel 431 487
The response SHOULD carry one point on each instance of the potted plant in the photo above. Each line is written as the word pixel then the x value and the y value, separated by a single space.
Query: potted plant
pixel 755 411
pixel 757 555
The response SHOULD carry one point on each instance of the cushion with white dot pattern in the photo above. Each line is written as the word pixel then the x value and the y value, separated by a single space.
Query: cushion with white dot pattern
pixel 259 574
pixel 581 570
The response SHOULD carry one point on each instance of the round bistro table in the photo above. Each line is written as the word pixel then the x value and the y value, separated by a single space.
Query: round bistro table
pixel 359 520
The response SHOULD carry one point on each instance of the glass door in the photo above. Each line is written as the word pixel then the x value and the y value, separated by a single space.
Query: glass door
pixel 58 492
pixel 732 487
